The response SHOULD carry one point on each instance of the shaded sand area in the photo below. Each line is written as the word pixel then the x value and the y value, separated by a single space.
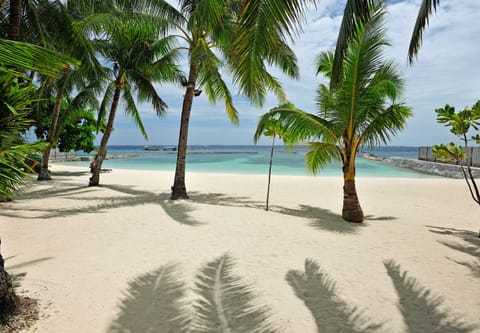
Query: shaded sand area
pixel 124 258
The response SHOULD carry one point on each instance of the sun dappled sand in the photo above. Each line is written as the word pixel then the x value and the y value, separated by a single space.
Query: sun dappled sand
pixel 98 258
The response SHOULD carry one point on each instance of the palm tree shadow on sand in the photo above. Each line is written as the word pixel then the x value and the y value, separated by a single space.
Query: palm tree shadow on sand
pixel 155 302
pixel 17 278
pixel 178 211
pixel 320 218
pixel 420 308
pixel 332 315
pixel 470 245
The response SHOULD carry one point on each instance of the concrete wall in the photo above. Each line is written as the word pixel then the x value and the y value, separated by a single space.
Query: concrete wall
pixel 473 153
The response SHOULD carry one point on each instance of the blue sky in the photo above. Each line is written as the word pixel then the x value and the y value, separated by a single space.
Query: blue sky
pixel 447 71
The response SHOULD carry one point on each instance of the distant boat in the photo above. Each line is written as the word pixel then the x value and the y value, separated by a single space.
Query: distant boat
pixel 150 148
pixel 170 148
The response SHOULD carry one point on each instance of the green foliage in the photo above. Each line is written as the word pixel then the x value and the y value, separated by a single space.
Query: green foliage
pixel 460 122
pixel 79 134
pixel 15 102
pixel 76 127
pixel 449 153
pixel 32 57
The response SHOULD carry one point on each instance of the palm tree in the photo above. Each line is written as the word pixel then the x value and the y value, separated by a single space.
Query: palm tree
pixel 354 112
pixel 273 128
pixel 137 58
pixel 243 37
pixel 85 79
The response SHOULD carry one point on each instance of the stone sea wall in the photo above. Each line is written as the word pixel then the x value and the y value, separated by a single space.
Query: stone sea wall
pixel 435 168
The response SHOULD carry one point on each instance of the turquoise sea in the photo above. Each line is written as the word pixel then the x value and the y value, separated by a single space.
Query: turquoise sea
pixel 251 160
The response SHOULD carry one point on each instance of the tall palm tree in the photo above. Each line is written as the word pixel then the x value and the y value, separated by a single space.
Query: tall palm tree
pixel 354 112
pixel 137 59
pixel 244 37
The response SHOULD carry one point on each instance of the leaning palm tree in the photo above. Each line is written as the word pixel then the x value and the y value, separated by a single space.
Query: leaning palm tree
pixel 244 37
pixel 138 58
pixel 354 112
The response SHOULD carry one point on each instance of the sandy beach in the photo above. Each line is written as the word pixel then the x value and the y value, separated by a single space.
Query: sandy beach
pixel 124 258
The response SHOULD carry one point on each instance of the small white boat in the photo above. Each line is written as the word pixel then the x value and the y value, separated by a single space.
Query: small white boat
pixel 150 148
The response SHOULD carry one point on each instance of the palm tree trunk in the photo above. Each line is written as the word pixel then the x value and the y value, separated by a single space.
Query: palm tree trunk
pixel 179 190
pixel 351 211
pixel 15 19
pixel 270 172
pixel 44 174
pixel 102 150
pixel 8 299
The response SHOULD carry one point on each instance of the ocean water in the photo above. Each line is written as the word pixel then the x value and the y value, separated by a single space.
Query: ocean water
pixel 252 160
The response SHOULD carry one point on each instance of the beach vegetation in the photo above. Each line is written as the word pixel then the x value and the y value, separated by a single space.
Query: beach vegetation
pixel 15 101
pixel 359 110
pixel 449 153
pixel 76 128
pixel 15 104
pixel 460 124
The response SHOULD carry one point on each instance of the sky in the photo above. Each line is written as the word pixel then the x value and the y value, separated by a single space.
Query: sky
pixel 447 70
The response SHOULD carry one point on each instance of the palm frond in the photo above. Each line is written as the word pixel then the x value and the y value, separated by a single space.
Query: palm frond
pixel 300 126
pixel 15 103
pixel 146 92
pixel 211 80
pixel 426 9
pixel 34 58
pixel 15 167
pixel 131 109
pixel 227 303
pixel 324 63
pixel 106 103
pixel 320 154
pixel 153 302
pixel 356 11
pixel 385 123
pixel 154 8
pixel 262 27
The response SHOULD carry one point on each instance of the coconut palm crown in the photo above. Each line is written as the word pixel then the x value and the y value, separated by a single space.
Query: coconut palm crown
pixel 361 110
pixel 137 58
pixel 243 38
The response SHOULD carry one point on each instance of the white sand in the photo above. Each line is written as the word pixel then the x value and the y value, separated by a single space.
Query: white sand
pixel 79 246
